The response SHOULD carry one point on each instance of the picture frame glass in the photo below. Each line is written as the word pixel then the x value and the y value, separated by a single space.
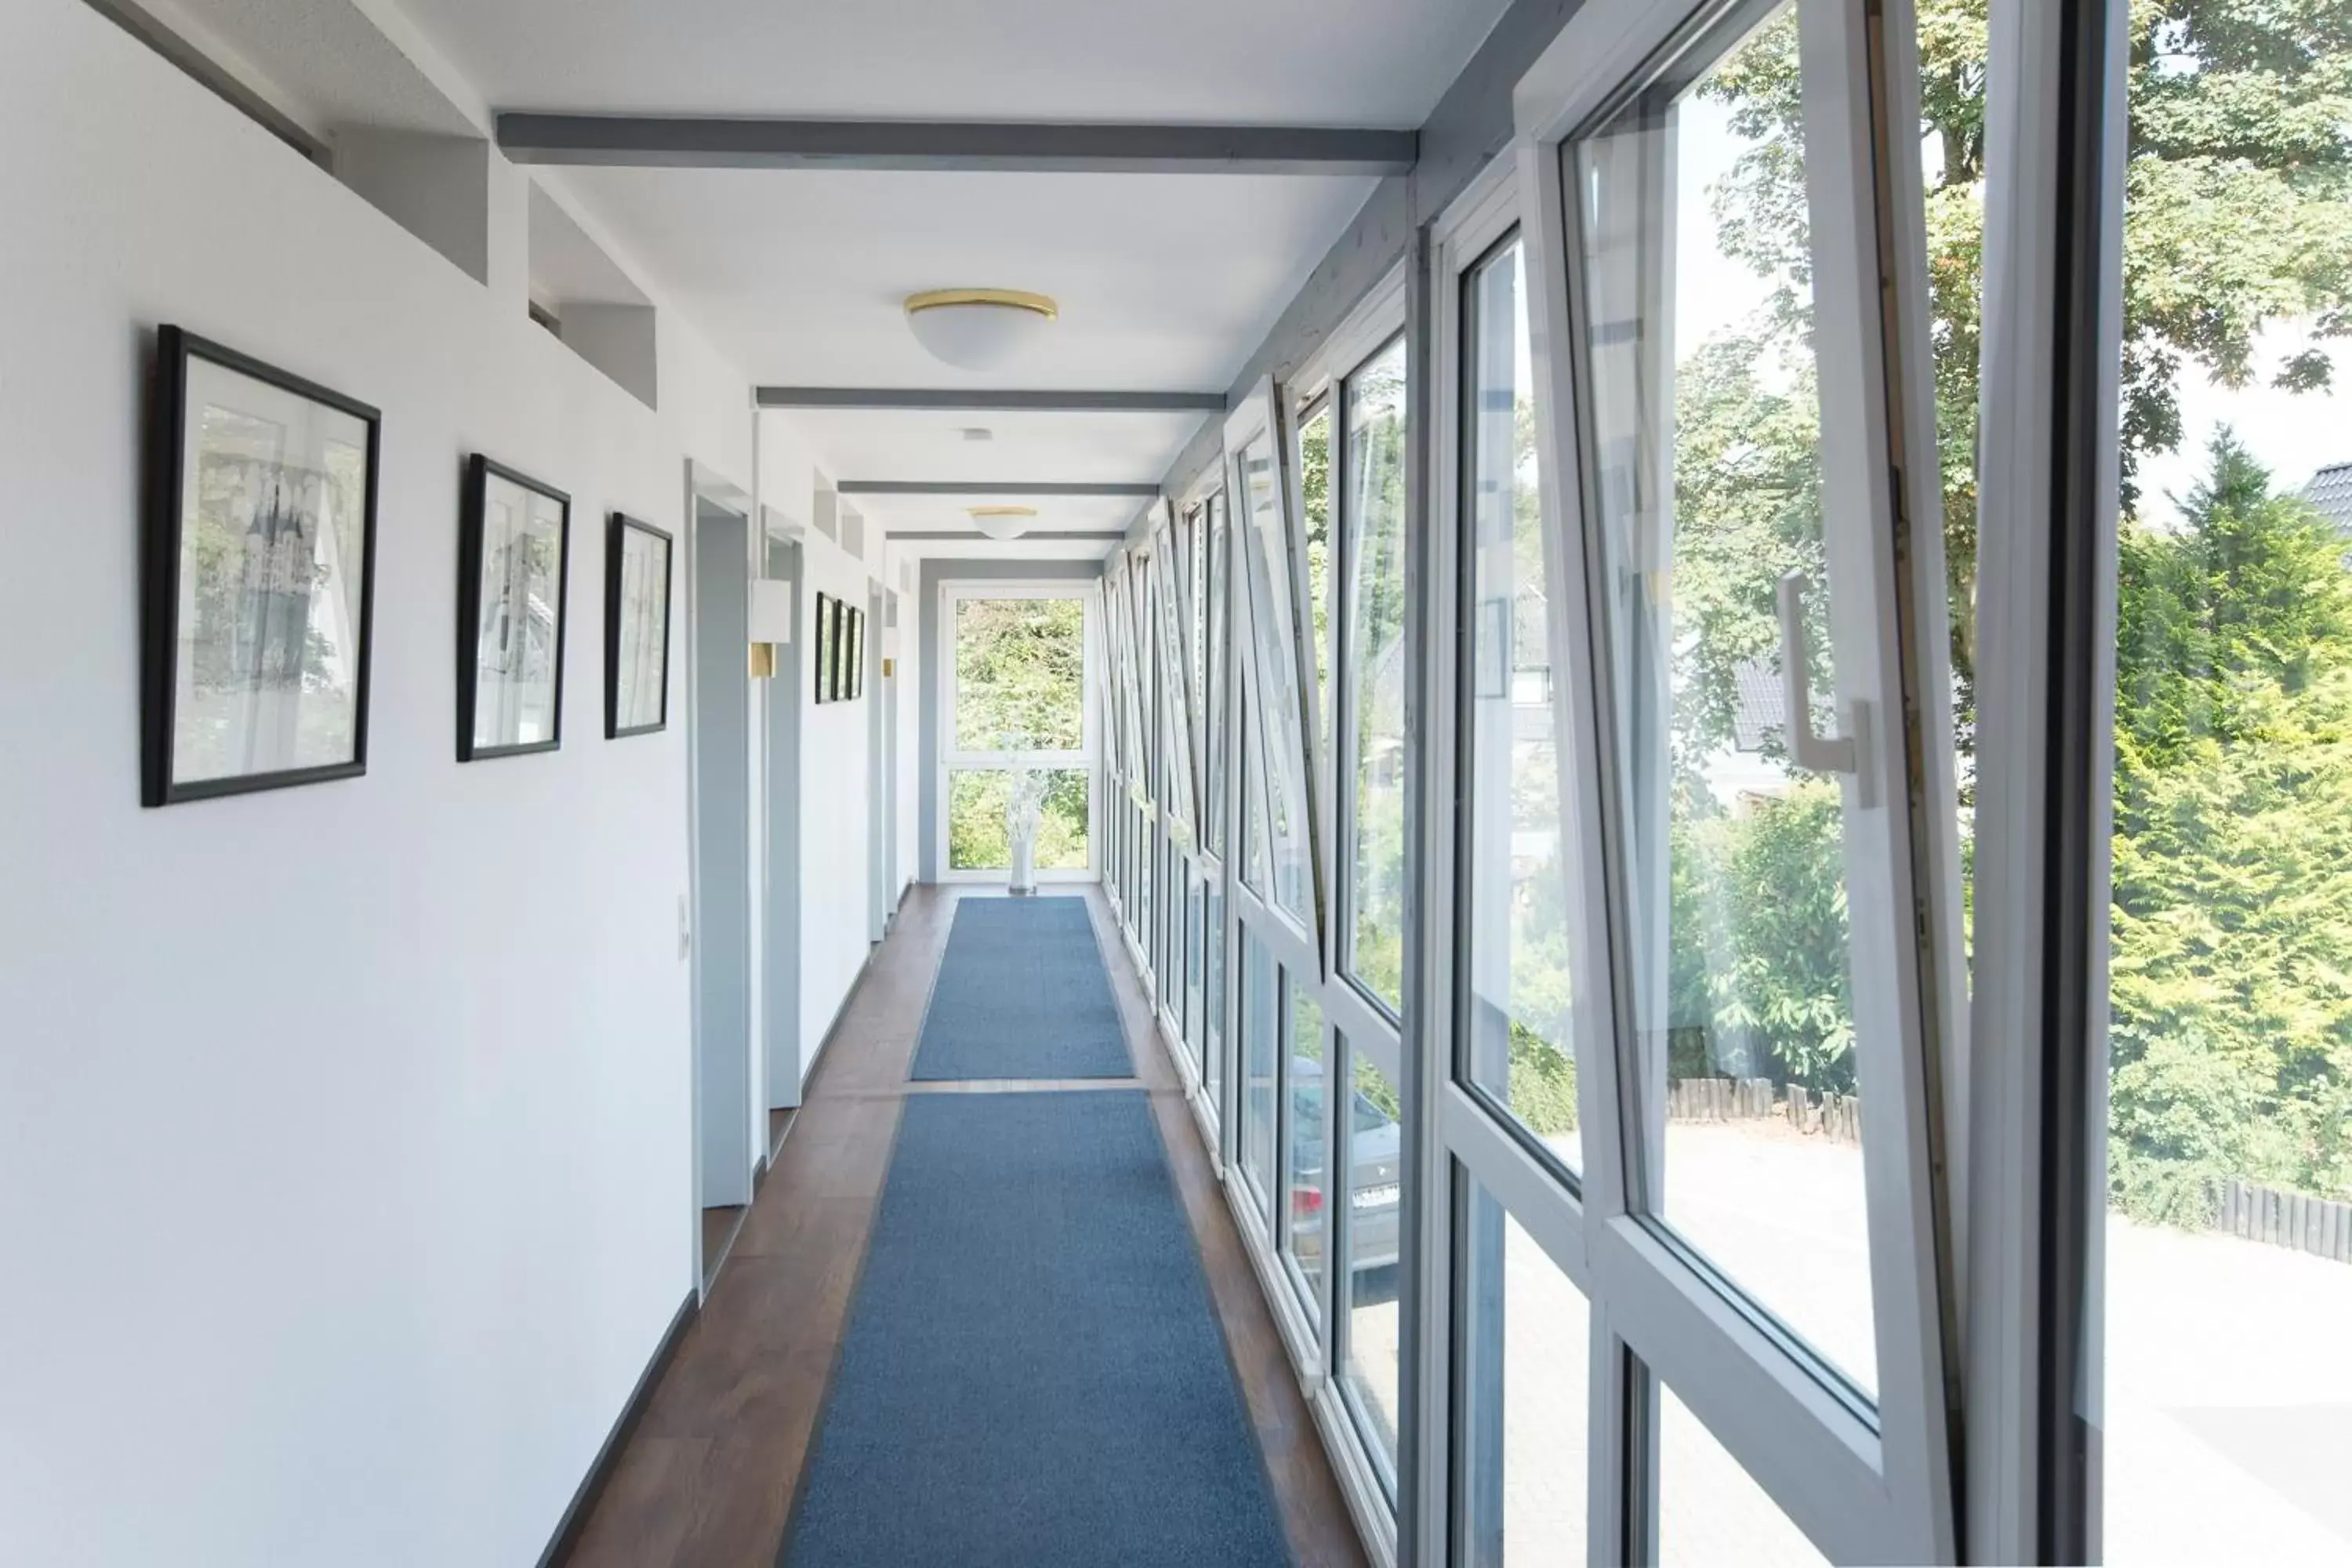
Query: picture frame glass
pixel 824 660
pixel 268 654
pixel 519 625
pixel 640 673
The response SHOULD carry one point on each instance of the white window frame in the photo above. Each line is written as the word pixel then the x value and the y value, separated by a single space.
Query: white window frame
pixel 953 759
pixel 1863 1488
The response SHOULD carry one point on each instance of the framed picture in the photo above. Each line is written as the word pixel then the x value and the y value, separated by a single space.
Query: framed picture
pixel 840 643
pixel 259 577
pixel 856 653
pixel 821 658
pixel 514 561
pixel 636 629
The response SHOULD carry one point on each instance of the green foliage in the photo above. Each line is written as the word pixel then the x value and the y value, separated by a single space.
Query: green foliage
pixel 2232 958
pixel 977 840
pixel 2231 951
pixel 1020 671
pixel 1543 1083
pixel 1315 495
pixel 1758 956
pixel 2238 219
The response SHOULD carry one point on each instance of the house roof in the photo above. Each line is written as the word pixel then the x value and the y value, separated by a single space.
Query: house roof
pixel 2331 491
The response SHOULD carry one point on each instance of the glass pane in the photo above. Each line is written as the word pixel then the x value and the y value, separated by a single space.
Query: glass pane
pixel 1176 719
pixel 979 803
pixel 2227 1413
pixel 1710 1511
pixel 1020 675
pixel 1260 1042
pixel 1213 1061
pixel 1515 882
pixel 1214 710
pixel 1527 1359
pixel 1315 495
pixel 1704 426
pixel 1373 1137
pixel 1308 1184
pixel 1375 560
pixel 1252 773
pixel 1280 703
pixel 1196 956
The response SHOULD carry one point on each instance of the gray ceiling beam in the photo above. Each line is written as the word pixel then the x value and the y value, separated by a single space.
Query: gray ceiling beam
pixel 683 142
pixel 988 487
pixel 967 401
pixel 1078 535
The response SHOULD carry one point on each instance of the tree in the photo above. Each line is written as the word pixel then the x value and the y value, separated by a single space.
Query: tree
pixel 2230 962
pixel 2238 218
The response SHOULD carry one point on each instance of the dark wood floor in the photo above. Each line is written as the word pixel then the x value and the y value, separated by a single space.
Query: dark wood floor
pixel 707 1479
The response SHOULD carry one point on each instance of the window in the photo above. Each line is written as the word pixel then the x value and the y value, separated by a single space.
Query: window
pixel 1020 674
pixel 1280 705
pixel 1515 971
pixel 1374 560
pixel 1372 1233
pixel 1711 1511
pixel 1307 1170
pixel 1704 449
pixel 1315 495
pixel 979 799
pixel 1213 829
pixel 1017 728
pixel 1196 954
pixel 1260 1040
pixel 1526 1366
pixel 2227 1241
pixel 1212 1058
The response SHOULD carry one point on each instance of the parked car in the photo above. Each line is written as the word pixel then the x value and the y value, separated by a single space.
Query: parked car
pixel 1375 1155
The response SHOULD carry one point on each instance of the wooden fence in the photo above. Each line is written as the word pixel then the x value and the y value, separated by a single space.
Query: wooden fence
pixel 1837 1117
pixel 2296 1220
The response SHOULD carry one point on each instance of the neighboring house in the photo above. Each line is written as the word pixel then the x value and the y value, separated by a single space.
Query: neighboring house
pixel 2331 491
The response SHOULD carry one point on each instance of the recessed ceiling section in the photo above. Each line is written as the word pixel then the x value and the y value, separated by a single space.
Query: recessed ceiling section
pixel 1103 449
pixel 952 514
pixel 1302 62
pixel 1161 281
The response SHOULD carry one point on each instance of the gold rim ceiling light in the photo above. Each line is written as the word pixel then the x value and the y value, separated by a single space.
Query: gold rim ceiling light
pixel 1010 299
pixel 1001 510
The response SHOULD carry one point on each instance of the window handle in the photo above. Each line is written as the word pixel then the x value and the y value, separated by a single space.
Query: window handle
pixel 1808 750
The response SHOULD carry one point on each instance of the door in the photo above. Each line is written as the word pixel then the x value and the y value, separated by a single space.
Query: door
pixel 722 709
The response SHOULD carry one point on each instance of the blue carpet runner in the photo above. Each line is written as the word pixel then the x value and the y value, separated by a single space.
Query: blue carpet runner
pixel 1021 993
pixel 1034 1374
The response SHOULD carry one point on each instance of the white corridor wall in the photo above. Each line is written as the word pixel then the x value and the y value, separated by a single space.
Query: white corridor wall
pixel 345 1132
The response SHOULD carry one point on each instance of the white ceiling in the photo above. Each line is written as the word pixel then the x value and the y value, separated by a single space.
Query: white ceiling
pixel 1119 448
pixel 1337 62
pixel 1166 282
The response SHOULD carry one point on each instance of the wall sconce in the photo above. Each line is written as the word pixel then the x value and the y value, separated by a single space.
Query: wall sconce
pixel 770 623
pixel 889 652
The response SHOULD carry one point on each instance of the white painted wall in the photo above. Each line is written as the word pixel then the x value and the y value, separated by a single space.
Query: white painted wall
pixel 836 792
pixel 345 1172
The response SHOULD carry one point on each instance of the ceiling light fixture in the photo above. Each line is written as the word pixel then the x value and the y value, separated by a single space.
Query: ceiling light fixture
pixel 1002 522
pixel 978 328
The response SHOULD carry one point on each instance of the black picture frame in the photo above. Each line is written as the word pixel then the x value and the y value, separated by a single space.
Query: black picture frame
pixel 856 654
pixel 472 516
pixel 163 539
pixel 820 660
pixel 618 531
